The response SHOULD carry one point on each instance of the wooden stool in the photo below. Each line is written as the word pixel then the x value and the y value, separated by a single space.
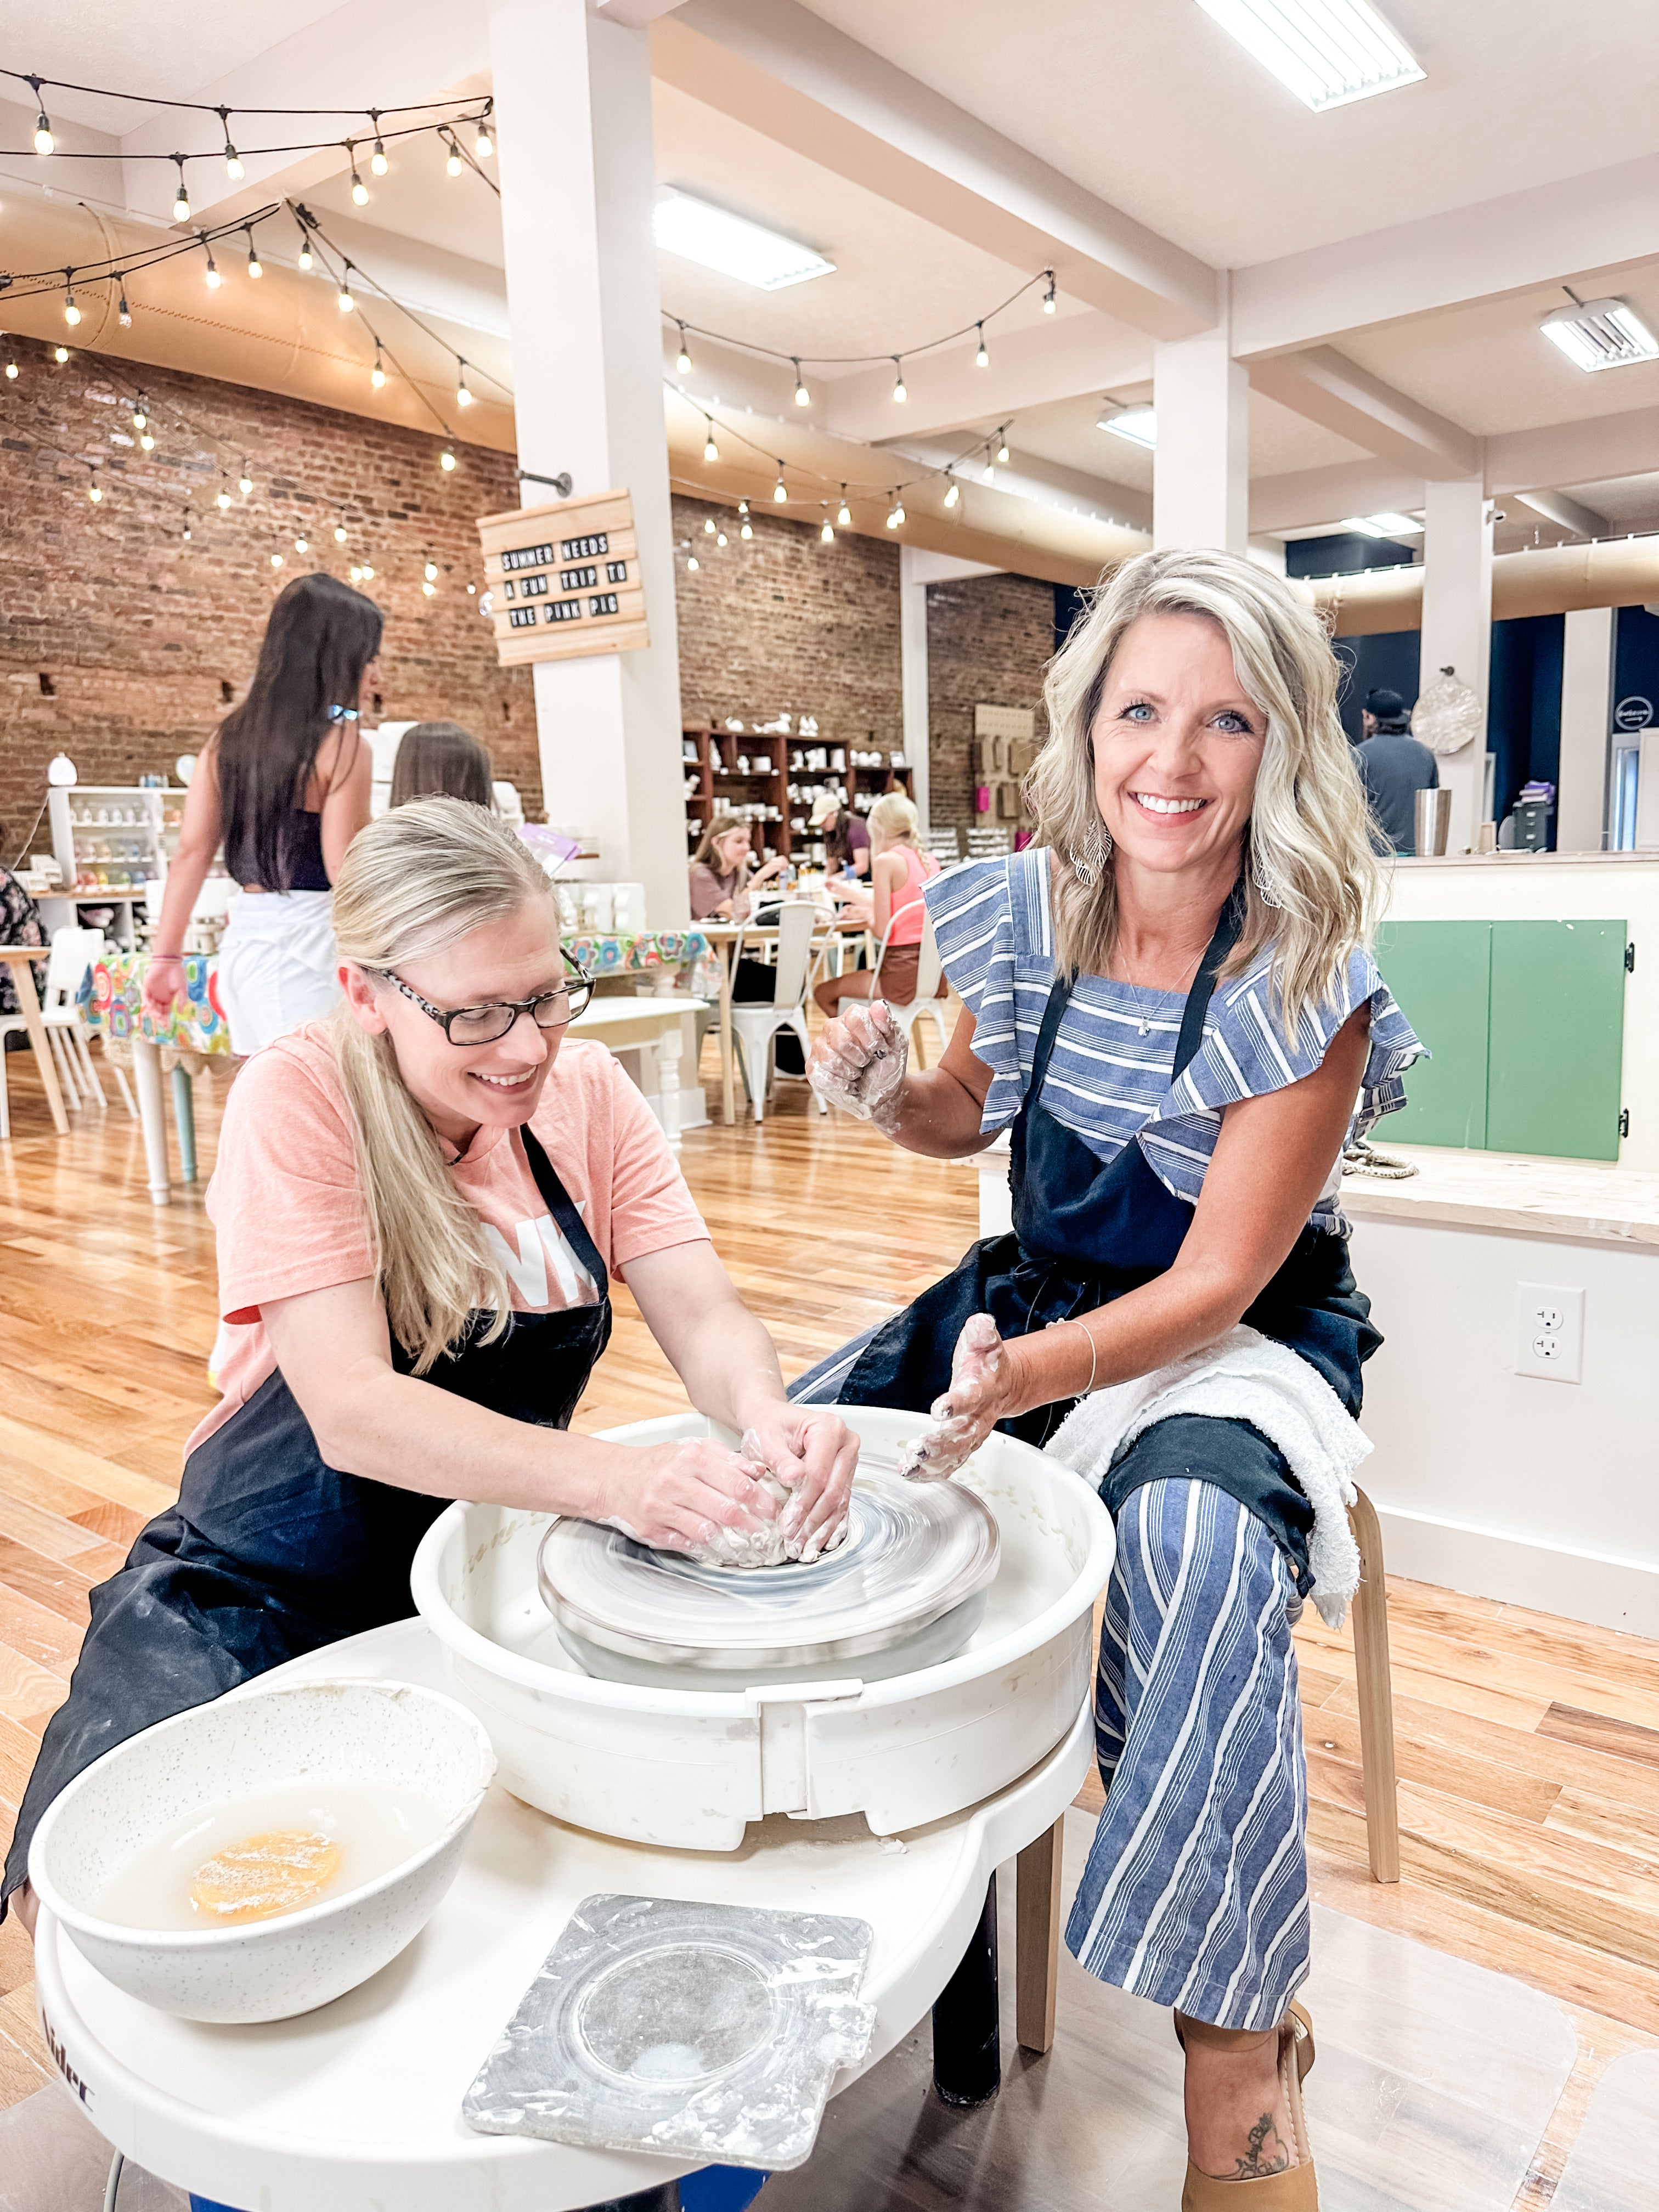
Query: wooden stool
pixel 1375 1689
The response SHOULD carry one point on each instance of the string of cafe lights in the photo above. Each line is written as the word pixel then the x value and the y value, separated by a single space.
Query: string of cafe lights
pixel 800 362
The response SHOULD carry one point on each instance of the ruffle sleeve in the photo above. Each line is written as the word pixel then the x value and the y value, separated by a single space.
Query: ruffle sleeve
pixel 1246 1054
pixel 991 921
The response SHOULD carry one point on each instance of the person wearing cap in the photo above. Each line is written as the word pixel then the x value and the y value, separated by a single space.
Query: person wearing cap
pixel 846 840
pixel 1394 767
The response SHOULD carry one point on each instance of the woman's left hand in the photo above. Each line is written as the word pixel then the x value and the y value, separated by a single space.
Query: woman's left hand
pixel 982 1392
pixel 812 1450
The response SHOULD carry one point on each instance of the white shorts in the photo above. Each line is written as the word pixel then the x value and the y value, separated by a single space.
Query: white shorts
pixel 276 965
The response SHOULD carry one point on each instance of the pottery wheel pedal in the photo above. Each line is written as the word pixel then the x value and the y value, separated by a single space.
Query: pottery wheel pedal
pixel 906 1590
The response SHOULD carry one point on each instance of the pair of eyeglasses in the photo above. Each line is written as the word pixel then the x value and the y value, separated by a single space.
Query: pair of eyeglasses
pixel 549 1009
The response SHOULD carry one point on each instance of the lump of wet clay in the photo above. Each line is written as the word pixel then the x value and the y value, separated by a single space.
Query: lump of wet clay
pixel 763 1546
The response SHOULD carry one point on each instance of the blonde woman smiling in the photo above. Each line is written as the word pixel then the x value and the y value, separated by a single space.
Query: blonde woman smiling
pixel 1170 1001
pixel 420 1204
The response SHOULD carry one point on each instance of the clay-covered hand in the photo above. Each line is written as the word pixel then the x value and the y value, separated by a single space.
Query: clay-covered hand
pixel 980 1395
pixel 811 1450
pixel 858 1063
pixel 683 1496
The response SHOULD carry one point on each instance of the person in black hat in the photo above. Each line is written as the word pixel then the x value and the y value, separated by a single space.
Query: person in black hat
pixel 1394 767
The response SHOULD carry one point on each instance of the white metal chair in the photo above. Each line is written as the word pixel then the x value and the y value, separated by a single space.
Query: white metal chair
pixel 929 968
pixel 68 957
pixel 755 1024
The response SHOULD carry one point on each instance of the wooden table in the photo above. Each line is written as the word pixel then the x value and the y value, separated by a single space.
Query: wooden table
pixel 17 958
pixel 727 940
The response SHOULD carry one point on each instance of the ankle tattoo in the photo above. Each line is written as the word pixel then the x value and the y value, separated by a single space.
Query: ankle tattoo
pixel 1268 2153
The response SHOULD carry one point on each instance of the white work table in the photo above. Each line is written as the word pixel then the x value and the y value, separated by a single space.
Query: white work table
pixel 356 2107
pixel 1575 1199
pixel 656 1028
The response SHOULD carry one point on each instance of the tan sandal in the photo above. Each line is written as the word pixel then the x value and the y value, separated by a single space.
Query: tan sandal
pixel 1296 2189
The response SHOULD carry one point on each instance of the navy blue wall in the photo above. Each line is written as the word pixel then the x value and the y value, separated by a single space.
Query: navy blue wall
pixel 1344 553
pixel 1636 657
pixel 1387 661
pixel 1523 704
pixel 1069 605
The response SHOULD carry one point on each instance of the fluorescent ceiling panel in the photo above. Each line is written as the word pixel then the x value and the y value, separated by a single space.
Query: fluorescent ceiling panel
pixel 737 247
pixel 1138 424
pixel 1382 525
pixel 1601 334
pixel 1327 51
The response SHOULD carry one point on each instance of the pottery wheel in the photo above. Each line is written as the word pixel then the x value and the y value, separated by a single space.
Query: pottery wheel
pixel 905 1590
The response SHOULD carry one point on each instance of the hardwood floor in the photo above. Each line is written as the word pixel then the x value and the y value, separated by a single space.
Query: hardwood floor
pixel 1529 1747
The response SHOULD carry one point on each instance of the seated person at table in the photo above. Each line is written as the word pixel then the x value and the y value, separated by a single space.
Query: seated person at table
pixel 898 871
pixel 846 840
pixel 420 1204
pixel 720 871
pixel 440 760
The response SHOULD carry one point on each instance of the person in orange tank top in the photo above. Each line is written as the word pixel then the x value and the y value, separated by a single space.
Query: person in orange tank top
pixel 898 870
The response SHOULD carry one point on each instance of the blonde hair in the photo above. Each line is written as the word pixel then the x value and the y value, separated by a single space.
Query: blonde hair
pixel 718 825
pixel 412 884
pixel 895 818
pixel 1308 839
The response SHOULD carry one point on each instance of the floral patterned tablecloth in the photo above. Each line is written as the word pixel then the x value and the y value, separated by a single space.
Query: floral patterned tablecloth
pixel 113 998
pixel 605 953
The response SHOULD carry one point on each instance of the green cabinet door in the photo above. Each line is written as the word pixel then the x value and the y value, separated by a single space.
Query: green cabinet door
pixel 1440 972
pixel 1558 1038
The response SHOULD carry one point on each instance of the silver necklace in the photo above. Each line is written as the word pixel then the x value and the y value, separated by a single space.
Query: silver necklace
pixel 1141 1003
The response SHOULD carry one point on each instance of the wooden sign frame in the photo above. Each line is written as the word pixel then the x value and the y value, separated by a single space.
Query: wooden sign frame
pixel 564 580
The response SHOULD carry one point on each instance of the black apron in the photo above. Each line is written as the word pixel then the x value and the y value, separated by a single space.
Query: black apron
pixel 270 1553
pixel 1084 1234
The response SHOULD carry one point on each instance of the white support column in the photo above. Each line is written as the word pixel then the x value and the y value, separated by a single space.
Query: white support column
pixel 573 104
pixel 1457 630
pixel 1586 720
pixel 913 674
pixel 1201 472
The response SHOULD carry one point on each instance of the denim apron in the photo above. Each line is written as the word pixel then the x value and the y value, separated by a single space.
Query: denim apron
pixel 1084 1234
pixel 270 1553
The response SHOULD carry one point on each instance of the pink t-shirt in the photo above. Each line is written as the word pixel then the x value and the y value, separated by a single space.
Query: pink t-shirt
pixel 290 1218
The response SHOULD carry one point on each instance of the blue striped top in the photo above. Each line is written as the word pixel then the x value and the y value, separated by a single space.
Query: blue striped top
pixel 1107 1083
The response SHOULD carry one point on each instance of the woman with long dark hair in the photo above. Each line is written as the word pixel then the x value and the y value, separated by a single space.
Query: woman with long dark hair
pixel 284 784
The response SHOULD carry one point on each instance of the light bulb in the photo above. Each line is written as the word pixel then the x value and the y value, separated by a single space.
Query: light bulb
pixel 356 573
pixel 377 160
pixel 44 140
pixel 432 572
pixel 246 481
pixel 843 513
pixel 711 452
pixel 952 493
pixel 233 163
pixel 1049 296
pixel 71 313
pixel 181 199
pixel 124 314
pixel 472 590
pixel 484 145
pixel 306 261
pixel 11 371
pixel 94 493
pixel 708 525
pixel 276 560
pixel 803 397
pixel 682 359
pixel 746 530
pixel 826 535
pixel 368 574
pixel 463 397
pixel 147 439
pixel 214 279
pixel 428 589
pixel 982 359
pixel 691 561
pixel 898 515
pixel 60 354
pixel 343 299
pixel 187 530
pixel 899 391
pixel 340 533
pixel 720 538
pixel 1002 449
pixel 990 467
pixel 446 458
pixel 303 545
pixel 359 189
pixel 454 164
pixel 256 268
pixel 222 500
pixel 377 374
pixel 778 491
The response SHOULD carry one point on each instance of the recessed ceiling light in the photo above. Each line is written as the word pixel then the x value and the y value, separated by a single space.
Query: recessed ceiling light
pixel 1600 334
pixel 1327 52
pixel 1382 525
pixel 1138 424
pixel 734 246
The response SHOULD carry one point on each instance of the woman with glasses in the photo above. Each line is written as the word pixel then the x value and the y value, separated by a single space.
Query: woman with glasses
pixel 420 1204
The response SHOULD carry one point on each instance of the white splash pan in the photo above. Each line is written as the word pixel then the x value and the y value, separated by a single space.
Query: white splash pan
pixel 691 1768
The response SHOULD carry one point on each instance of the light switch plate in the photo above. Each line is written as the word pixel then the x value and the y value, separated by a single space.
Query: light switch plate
pixel 1549 1332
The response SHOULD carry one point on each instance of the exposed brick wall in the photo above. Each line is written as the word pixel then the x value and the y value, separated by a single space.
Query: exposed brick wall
pixel 989 639
pixel 138 631
pixel 785 622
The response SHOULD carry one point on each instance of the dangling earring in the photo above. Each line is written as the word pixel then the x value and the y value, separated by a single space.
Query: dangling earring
pixel 1089 858
pixel 1266 888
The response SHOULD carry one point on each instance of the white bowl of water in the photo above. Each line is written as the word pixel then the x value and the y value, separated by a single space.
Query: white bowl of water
pixel 260 1855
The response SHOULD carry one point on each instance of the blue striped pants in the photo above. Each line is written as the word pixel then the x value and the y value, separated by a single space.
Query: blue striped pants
pixel 1195 1893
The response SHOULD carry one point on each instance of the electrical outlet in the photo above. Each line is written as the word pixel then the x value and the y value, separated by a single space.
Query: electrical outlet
pixel 1549 1332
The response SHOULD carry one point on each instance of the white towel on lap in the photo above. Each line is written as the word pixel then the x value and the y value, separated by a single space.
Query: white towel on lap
pixel 1245 1376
